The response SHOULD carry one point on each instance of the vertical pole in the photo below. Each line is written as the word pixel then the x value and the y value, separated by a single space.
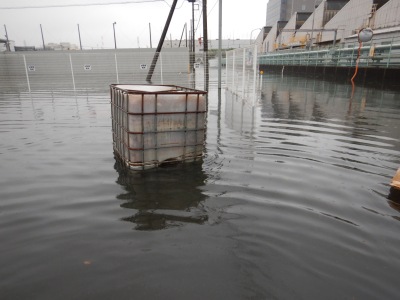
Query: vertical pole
pixel 312 27
pixel 352 54
pixel 151 44
pixel 243 71
pixel 116 66
pixel 183 30
pixel 233 71
pixel 72 72
pixel 8 41
pixel 255 58
pixel 192 58
pixel 161 69
pixel 220 46
pixel 27 75
pixel 79 33
pixel 193 48
pixel 227 66
pixel 390 52
pixel 186 34
pixel 41 30
pixel 205 46
pixel 160 43
pixel 115 40
pixel 334 38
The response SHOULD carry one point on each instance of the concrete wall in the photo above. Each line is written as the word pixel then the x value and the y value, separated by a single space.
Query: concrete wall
pixel 388 15
pixel 288 38
pixel 90 69
pixel 282 10
pixel 285 38
pixel 270 41
pixel 354 15
pixel 314 21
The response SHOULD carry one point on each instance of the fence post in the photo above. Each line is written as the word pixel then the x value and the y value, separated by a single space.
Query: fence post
pixel 27 75
pixel 233 68
pixel 72 72
pixel 254 73
pixel 161 71
pixel 390 52
pixel 243 70
pixel 226 66
pixel 116 66
pixel 352 54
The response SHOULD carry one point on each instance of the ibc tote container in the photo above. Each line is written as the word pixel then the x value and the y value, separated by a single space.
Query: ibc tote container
pixel 157 124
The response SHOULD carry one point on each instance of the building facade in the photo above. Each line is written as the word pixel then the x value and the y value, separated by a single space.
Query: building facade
pixel 282 10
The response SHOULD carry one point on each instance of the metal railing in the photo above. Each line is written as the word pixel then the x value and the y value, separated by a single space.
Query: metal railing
pixel 371 55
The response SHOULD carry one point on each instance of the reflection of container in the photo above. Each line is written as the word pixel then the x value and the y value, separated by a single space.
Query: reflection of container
pixel 158 199
pixel 153 125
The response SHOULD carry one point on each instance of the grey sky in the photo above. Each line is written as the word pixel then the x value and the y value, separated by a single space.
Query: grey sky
pixel 240 20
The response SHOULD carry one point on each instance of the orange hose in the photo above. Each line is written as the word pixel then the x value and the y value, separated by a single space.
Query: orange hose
pixel 357 61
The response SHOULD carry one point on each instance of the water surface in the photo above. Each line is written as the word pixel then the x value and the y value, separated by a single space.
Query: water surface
pixel 291 201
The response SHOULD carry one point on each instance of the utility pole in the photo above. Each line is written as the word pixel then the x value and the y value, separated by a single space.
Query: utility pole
pixel 205 46
pixel 115 40
pixel 312 29
pixel 41 30
pixel 160 43
pixel 151 44
pixel 220 47
pixel 186 34
pixel 183 31
pixel 79 33
pixel 8 41
pixel 193 47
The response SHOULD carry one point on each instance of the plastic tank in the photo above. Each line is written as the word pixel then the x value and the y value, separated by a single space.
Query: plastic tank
pixel 157 124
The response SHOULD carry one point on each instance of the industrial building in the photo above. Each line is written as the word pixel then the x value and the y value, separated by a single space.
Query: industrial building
pixel 333 23
pixel 282 10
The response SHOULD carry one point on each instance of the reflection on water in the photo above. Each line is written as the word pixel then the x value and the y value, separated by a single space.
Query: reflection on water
pixel 394 200
pixel 164 197
pixel 310 167
pixel 291 201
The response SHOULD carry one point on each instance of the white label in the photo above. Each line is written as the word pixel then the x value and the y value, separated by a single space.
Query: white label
pixel 143 67
pixel 32 68
pixel 87 67
pixel 197 65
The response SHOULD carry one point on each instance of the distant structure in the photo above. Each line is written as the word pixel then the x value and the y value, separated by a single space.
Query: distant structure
pixel 50 46
pixel 331 23
pixel 7 45
pixel 282 10
pixel 212 44
pixel 61 46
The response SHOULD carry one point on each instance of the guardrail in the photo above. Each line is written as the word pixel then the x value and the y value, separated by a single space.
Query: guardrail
pixel 374 56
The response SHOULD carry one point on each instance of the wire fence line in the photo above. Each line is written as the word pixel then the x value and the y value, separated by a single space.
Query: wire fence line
pixel 96 70
pixel 243 78
pixel 91 70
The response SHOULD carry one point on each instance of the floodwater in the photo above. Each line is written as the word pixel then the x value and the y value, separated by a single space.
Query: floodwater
pixel 291 201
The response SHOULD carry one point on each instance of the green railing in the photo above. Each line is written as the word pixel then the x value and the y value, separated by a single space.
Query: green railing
pixel 374 56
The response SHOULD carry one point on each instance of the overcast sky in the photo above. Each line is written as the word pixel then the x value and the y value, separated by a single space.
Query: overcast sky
pixel 241 19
